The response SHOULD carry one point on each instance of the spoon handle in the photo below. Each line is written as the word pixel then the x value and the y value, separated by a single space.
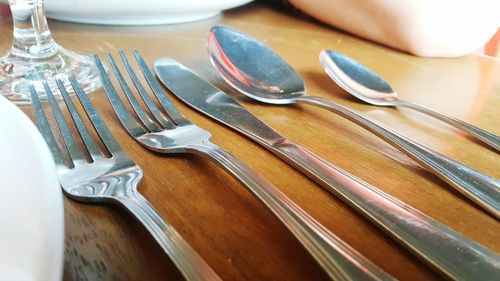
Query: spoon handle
pixel 484 136
pixel 339 260
pixel 480 188
pixel 445 249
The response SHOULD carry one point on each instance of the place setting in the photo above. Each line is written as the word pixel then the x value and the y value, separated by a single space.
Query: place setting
pixel 52 102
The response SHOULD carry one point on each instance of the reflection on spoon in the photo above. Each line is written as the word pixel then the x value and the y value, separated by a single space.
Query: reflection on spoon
pixel 256 71
pixel 367 86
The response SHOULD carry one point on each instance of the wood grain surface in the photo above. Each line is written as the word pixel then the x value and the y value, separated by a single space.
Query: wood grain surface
pixel 230 228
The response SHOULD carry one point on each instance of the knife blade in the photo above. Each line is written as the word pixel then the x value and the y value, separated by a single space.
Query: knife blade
pixel 443 248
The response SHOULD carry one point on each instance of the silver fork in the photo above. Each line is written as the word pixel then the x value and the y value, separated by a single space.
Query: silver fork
pixel 169 132
pixel 109 179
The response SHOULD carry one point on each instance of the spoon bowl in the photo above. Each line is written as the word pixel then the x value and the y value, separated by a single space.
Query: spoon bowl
pixel 356 79
pixel 274 81
pixel 366 85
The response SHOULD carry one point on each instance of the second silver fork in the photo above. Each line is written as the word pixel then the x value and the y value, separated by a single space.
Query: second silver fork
pixel 173 133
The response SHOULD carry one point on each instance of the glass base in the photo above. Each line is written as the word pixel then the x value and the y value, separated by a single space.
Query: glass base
pixel 17 73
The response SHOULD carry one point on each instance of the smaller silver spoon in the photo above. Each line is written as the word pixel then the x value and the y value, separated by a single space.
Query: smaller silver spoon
pixel 258 72
pixel 359 81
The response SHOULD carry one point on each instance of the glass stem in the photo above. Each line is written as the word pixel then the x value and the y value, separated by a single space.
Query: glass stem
pixel 32 38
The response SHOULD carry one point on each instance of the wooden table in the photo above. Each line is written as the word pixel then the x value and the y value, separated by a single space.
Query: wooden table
pixel 230 229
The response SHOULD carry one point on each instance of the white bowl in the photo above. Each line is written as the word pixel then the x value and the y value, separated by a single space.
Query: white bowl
pixel 31 206
pixel 136 12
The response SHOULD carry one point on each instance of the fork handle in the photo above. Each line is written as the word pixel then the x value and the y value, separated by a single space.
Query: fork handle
pixel 485 136
pixel 339 260
pixel 187 260
pixel 478 187
pixel 447 250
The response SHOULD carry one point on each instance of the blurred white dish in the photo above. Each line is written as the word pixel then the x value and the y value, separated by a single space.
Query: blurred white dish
pixel 31 207
pixel 136 12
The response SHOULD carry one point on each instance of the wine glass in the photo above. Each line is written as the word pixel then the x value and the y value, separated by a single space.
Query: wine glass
pixel 35 57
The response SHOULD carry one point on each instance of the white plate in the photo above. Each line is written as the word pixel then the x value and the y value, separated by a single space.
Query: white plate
pixel 136 12
pixel 31 207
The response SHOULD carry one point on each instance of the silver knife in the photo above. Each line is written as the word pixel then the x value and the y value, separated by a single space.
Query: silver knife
pixel 443 248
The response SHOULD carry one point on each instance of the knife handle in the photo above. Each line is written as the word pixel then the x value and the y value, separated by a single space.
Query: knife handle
pixel 339 260
pixel 447 250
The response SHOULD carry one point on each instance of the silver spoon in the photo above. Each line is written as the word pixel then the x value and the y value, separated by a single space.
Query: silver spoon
pixel 259 73
pixel 369 87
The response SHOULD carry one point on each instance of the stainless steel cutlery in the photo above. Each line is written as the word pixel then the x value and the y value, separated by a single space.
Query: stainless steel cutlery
pixel 97 178
pixel 104 173
pixel 256 71
pixel 166 130
pixel 443 248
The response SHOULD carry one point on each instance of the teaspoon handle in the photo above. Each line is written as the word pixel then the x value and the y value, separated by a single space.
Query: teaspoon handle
pixel 478 187
pixel 445 249
pixel 339 260
pixel 484 136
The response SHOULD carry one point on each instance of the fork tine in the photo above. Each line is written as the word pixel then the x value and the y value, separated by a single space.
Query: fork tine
pixel 160 94
pixel 82 129
pixel 164 122
pixel 44 127
pixel 74 152
pixel 148 123
pixel 102 131
pixel 132 127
